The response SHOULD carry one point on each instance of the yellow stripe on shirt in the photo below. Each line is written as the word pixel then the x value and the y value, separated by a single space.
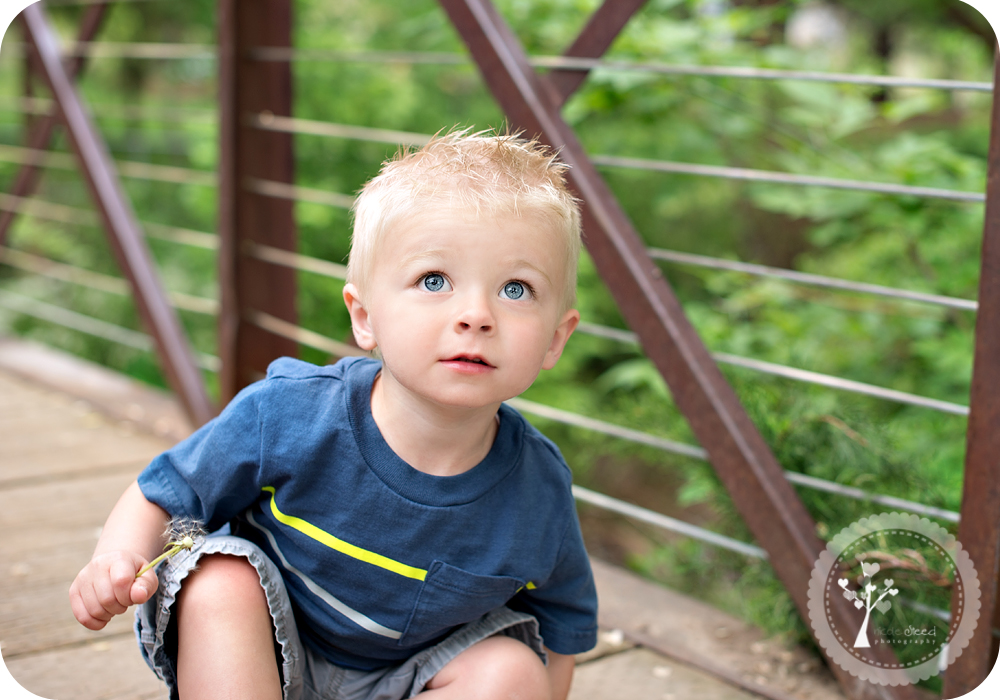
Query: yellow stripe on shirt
pixel 339 545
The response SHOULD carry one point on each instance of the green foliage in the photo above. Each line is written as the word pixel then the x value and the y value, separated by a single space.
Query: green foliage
pixel 907 136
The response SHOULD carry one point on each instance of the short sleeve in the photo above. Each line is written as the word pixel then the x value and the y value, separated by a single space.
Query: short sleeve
pixel 565 605
pixel 214 474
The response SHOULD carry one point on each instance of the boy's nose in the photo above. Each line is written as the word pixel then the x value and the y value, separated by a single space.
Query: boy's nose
pixel 476 315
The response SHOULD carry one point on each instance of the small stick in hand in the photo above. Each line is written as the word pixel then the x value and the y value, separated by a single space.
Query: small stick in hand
pixel 181 533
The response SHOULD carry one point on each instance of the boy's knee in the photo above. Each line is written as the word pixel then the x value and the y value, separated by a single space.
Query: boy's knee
pixel 221 583
pixel 502 667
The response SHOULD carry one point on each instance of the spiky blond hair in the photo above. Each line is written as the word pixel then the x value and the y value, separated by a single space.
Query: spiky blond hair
pixel 482 173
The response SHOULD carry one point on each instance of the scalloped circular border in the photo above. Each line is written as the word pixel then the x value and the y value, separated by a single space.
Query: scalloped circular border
pixel 818 590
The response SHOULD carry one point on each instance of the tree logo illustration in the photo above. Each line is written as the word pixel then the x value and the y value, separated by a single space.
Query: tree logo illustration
pixel 899 574
pixel 869 589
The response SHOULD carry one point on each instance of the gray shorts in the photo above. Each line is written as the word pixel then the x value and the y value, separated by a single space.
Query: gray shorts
pixel 305 674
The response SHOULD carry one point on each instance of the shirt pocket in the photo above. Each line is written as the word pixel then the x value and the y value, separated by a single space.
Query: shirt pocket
pixel 450 597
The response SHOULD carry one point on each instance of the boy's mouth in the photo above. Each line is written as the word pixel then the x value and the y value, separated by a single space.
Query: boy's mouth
pixel 472 359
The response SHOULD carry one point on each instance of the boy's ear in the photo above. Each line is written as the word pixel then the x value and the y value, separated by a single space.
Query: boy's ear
pixel 564 330
pixel 360 321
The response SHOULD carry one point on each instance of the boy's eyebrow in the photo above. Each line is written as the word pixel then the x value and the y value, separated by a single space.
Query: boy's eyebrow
pixel 433 254
pixel 436 254
pixel 540 271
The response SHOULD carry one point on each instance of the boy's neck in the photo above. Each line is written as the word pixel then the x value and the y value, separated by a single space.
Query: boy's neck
pixel 434 439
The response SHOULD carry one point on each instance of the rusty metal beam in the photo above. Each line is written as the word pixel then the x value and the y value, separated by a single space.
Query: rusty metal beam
pixel 979 527
pixel 247 284
pixel 119 220
pixel 754 479
pixel 40 129
pixel 600 31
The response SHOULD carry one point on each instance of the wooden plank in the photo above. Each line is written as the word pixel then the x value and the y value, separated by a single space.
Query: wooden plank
pixel 640 673
pixel 41 620
pixel 74 455
pixel 48 435
pixel 111 393
pixel 49 534
pixel 707 638
pixel 111 669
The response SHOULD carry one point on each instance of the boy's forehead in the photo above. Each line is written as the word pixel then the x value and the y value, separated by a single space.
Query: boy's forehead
pixel 430 232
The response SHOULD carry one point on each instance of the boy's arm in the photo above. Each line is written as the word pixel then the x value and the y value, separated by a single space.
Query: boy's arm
pixel 560 668
pixel 132 535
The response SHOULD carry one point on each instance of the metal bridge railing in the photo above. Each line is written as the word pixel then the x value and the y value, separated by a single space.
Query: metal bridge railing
pixel 264 121
pixel 267 121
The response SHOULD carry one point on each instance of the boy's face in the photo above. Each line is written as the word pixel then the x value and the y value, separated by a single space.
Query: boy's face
pixel 465 312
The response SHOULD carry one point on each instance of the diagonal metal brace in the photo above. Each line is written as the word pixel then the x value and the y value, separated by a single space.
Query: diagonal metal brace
pixel 745 464
pixel 40 133
pixel 600 31
pixel 119 220
pixel 979 528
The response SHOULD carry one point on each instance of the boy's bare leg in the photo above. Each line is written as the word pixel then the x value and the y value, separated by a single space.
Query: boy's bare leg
pixel 498 668
pixel 225 635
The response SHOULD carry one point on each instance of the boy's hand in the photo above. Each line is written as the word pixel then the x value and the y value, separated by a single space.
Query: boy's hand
pixel 107 586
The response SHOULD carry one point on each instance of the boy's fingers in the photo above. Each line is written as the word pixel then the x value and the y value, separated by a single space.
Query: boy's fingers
pixel 88 609
pixel 106 593
pixel 143 587
pixel 122 576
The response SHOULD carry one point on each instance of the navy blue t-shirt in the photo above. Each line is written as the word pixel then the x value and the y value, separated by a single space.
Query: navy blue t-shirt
pixel 382 560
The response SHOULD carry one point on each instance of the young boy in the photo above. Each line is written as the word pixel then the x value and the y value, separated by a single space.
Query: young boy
pixel 384 528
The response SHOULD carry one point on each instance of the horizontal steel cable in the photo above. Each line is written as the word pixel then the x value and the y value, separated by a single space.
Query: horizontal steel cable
pixel 284 190
pixel 599 426
pixel 297 261
pixel 177 175
pixel 45 267
pixel 817 484
pixel 293 125
pixel 752 175
pixel 300 335
pixel 142 171
pixel 576 420
pixel 943 615
pixel 587 64
pixel 183 51
pixel 91 326
pixel 801 375
pixel 811 279
pixel 271 122
pixel 665 522
pixel 51 211
pixel 106 110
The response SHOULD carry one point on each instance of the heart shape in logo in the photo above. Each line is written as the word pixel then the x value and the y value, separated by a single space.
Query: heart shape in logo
pixel 858 604
pixel 842 582
pixel 884 606
pixel 889 582
pixel 850 595
pixel 870 569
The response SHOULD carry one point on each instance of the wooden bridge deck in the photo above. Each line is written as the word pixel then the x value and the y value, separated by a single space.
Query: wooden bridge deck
pixel 73 436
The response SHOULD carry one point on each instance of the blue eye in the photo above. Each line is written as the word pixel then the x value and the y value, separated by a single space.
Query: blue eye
pixel 433 282
pixel 513 290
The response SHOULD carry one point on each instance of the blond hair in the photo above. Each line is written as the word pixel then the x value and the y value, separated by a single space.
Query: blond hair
pixel 491 175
